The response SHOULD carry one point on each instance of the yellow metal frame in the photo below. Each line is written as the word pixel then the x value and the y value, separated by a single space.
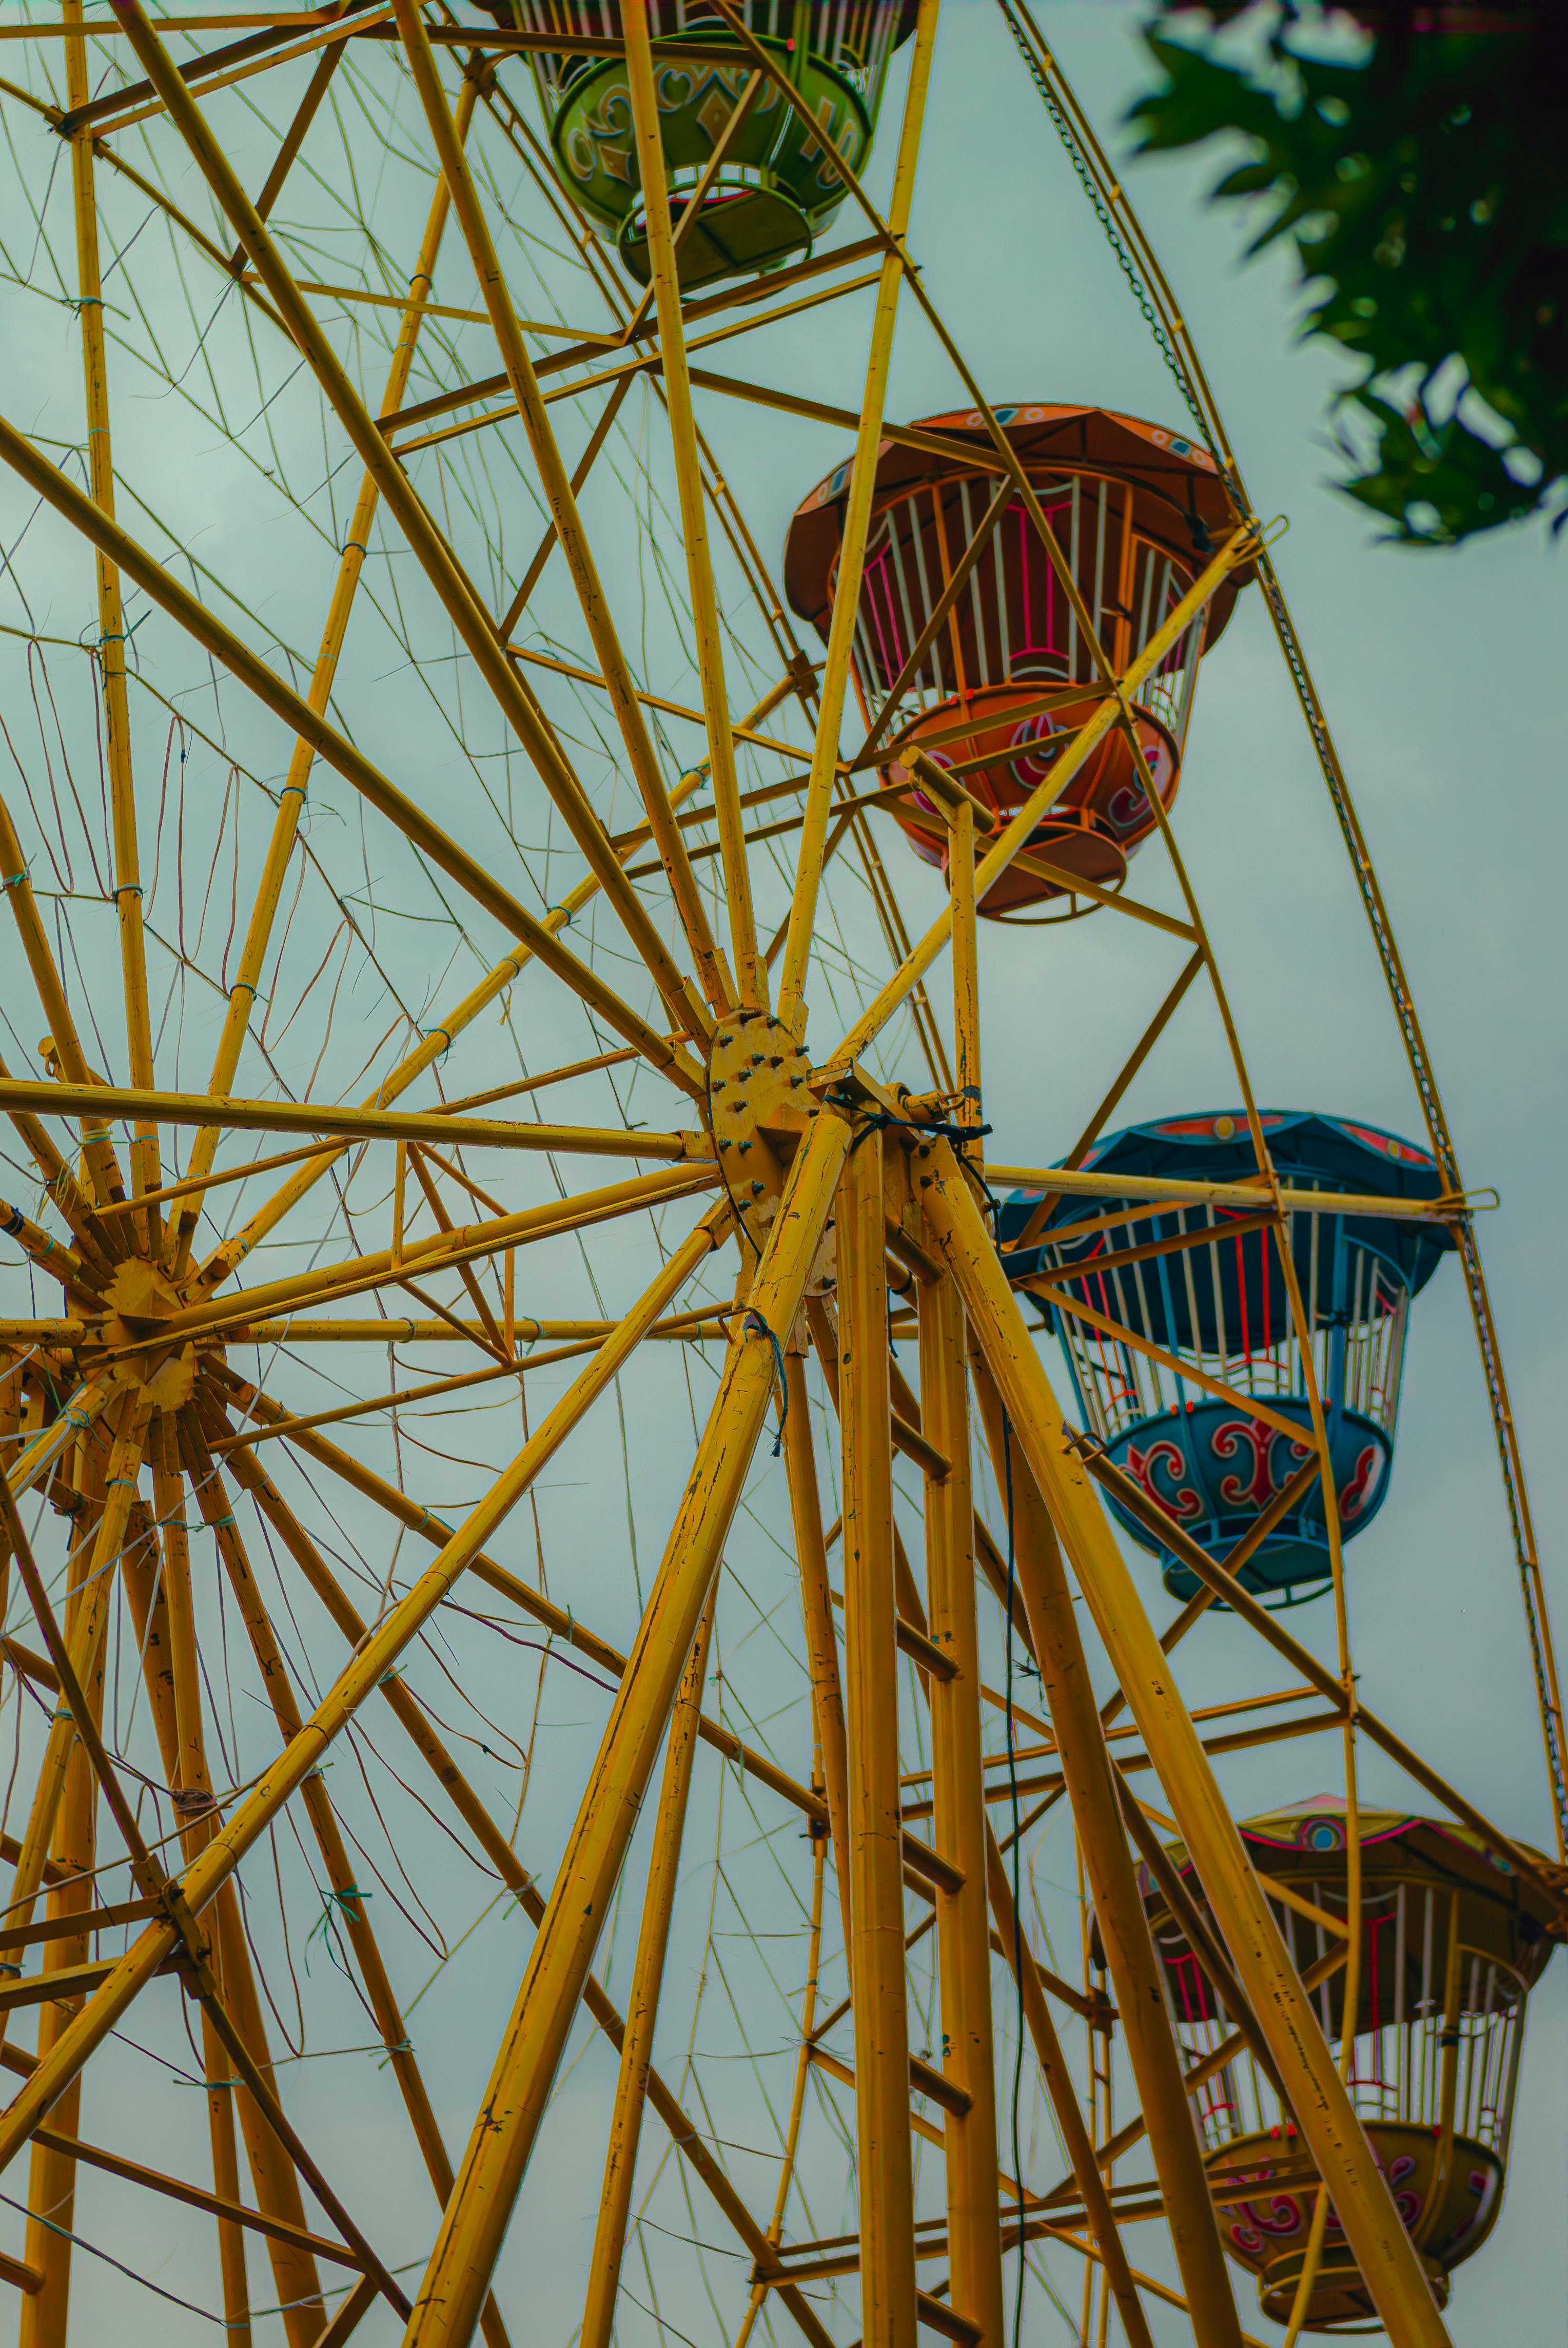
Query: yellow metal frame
pixel 856 1192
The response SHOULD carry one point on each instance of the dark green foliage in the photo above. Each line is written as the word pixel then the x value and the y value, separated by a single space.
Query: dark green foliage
pixel 1426 189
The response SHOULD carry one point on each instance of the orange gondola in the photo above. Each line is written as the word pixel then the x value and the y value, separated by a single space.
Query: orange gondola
pixel 969 649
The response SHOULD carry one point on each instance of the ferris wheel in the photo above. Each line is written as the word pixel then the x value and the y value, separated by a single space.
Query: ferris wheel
pixel 594 1739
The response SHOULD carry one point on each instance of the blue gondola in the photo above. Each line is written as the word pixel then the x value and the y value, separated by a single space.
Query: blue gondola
pixel 1219 1305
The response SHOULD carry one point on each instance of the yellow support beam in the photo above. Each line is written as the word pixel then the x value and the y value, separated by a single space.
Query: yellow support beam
pixel 959 1831
pixel 750 971
pixel 834 686
pixel 1237 550
pixel 89 1101
pixel 884 2165
pixel 492 2169
pixel 366 1670
pixel 1119 1908
pixel 1322 2106
pixel 643 2006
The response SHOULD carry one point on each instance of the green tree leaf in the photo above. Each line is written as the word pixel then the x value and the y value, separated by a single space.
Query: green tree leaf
pixel 1424 188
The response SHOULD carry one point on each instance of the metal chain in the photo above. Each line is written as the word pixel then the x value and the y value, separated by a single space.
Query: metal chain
pixel 1087 179
pixel 1436 1124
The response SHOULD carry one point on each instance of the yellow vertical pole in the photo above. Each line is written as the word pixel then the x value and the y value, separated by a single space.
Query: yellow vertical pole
pixel 750 971
pixel 141 1575
pixel 835 677
pixel 803 2077
pixel 1318 2097
pixel 1124 1926
pixel 966 959
pixel 817 1611
pixel 111 630
pixel 52 2175
pixel 886 2175
pixel 292 798
pixel 960 1833
pixel 643 2006
pixel 13 1401
pixel 1076 2140
pixel 474 2225
pixel 1098 2071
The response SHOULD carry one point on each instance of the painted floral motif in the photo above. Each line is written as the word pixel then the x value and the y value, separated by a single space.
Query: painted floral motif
pixel 1255 1436
pixel 1031 770
pixel 846 140
pixel 1184 1500
pixel 1361 1486
pixel 604 138
pixel 1257 2227
pixel 1485 2184
pixel 1257 1439
pixel 1282 2218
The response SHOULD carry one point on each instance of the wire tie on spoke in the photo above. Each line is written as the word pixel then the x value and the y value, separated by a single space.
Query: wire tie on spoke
pixel 128 888
pixel 565 911
pixel 878 1120
pixel 754 1321
pixel 329 1902
pixel 14 879
pixel 428 1032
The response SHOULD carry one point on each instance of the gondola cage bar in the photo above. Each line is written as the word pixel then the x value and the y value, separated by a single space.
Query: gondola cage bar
pixel 1214 1298
pixel 775 191
pixel 1135 512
